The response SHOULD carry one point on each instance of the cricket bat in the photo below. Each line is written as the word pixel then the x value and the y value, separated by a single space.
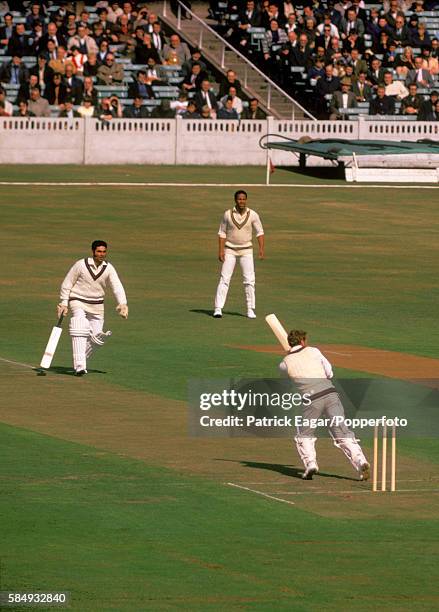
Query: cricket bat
pixel 278 330
pixel 46 361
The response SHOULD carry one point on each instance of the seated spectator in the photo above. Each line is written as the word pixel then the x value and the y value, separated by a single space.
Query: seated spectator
pixel 177 47
pixel 87 108
pixel 56 90
pixel 89 91
pixel 78 59
pixel 273 13
pixel 326 29
pixel 401 33
pixel 358 64
pixel 137 110
pixel 375 76
pixel 228 82
pixel 85 43
pixel 24 91
pixel 154 73
pixel 91 66
pixel 435 47
pixel 101 55
pixel 111 72
pixel 394 88
pixel 343 99
pixel 106 25
pixel 20 43
pixel 427 108
pixel 248 18
pixel 317 70
pixel 55 37
pixel 351 22
pixel 35 15
pixel 326 85
pixel 68 111
pixel 43 71
pixel 146 50
pixel 411 103
pixel 114 11
pixel 6 30
pixel 193 81
pixel 419 75
pixel 23 110
pixel 421 38
pixel 37 105
pixel 7 106
pixel 157 36
pixel 389 57
pixel 429 62
pixel 361 89
pixel 335 51
pixel 206 113
pixel 116 105
pixel 236 101
pixel 205 97
pixel 382 104
pixel 105 111
pixel 14 72
pixel 405 62
pixel 353 41
pixel 227 111
pixel 180 105
pixel 140 86
pixel 123 30
pixel 195 59
pixel 59 64
pixel 73 83
pixel 301 53
pixel 164 111
pixel 191 111
pixel 253 111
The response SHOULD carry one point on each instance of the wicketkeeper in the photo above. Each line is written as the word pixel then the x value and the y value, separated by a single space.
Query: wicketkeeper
pixel 83 290
pixel 312 372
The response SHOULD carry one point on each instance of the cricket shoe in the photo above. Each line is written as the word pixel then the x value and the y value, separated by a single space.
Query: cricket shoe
pixel 251 314
pixel 364 471
pixel 217 313
pixel 81 372
pixel 311 469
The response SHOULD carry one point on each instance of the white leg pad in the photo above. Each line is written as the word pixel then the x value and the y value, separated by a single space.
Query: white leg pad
pixel 95 341
pixel 306 449
pixel 79 329
pixel 352 450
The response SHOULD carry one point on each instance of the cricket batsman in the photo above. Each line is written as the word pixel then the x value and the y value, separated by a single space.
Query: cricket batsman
pixel 312 373
pixel 83 291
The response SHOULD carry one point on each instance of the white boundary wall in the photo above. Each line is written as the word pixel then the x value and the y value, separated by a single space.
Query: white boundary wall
pixel 181 141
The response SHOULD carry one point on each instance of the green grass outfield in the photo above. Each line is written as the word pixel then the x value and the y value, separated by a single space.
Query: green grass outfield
pixel 129 528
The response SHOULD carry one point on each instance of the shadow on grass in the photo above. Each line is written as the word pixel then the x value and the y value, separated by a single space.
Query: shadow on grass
pixel 209 313
pixel 285 470
pixel 64 371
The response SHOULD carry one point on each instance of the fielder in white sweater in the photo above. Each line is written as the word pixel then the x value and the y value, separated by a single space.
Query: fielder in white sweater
pixel 235 237
pixel 83 290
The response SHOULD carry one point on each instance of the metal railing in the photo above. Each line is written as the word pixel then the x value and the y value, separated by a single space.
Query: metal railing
pixel 249 68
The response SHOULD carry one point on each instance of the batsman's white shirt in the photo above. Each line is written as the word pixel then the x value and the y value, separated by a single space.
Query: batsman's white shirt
pixel 85 285
pixel 238 228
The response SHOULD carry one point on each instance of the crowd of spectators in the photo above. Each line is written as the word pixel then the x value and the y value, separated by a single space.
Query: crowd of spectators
pixel 342 57
pixel 107 60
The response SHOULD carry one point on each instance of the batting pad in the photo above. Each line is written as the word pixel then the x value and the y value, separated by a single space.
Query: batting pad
pixel 79 327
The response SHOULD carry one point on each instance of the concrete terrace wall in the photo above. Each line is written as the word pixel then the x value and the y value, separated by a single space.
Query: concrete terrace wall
pixel 180 141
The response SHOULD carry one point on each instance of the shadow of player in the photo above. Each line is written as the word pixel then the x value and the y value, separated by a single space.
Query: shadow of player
pixel 66 371
pixel 209 313
pixel 285 470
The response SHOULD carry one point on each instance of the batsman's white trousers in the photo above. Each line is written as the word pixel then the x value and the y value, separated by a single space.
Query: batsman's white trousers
pixel 82 346
pixel 248 278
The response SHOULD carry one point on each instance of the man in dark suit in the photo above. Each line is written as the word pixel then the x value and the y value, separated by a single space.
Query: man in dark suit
pixel 375 76
pixel 249 18
pixel 400 33
pixel 427 108
pixel 140 88
pixel 361 89
pixel 43 71
pixel 253 111
pixel 6 30
pixel 301 54
pixel 419 75
pixel 382 104
pixel 192 81
pixel 73 84
pixel 68 111
pixel 19 43
pixel 411 104
pixel 14 72
pixel 205 97
pixel 54 35
pixel 326 85
pixel 157 36
pixel 136 110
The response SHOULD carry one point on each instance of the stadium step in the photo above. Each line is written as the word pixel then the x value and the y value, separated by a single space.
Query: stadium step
pixel 198 33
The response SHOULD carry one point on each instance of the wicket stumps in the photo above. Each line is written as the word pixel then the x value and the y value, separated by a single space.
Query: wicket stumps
pixel 376 453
